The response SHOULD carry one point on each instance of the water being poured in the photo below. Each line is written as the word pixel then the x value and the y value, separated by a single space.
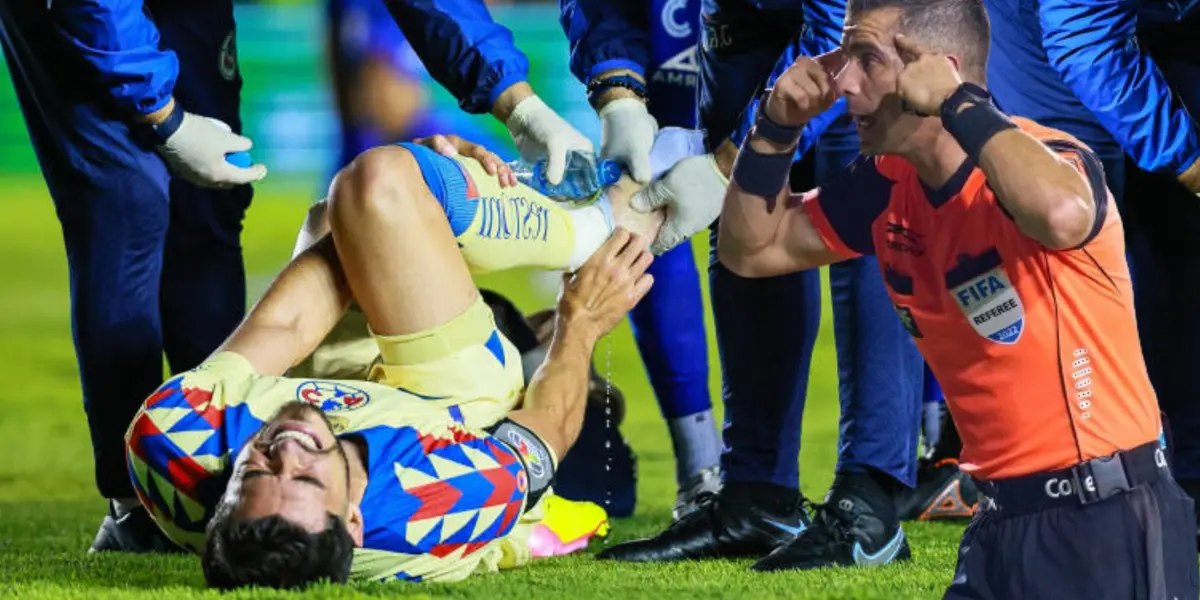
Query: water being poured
pixel 608 423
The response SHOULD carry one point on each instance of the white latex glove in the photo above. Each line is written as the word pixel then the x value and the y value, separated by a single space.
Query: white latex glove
pixel 692 193
pixel 627 133
pixel 196 152
pixel 539 132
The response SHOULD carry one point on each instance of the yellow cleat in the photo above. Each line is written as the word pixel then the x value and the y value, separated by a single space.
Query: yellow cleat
pixel 567 527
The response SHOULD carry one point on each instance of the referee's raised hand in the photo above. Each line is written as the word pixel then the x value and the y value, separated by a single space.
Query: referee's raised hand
pixel 806 89
pixel 926 79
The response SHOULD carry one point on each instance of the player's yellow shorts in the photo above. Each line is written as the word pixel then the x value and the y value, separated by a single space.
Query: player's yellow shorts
pixel 465 363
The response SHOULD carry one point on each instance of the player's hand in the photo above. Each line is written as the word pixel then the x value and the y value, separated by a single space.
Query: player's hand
pixel 452 145
pixel 691 192
pixel 197 153
pixel 539 132
pixel 627 134
pixel 600 293
pixel 926 80
pixel 805 90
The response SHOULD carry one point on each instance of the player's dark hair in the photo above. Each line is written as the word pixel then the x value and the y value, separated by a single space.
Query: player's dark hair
pixel 274 552
pixel 958 27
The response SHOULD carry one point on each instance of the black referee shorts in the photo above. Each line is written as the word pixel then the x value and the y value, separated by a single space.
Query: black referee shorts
pixel 1118 528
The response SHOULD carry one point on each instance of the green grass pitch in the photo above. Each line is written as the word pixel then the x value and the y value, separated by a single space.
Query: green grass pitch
pixel 49 510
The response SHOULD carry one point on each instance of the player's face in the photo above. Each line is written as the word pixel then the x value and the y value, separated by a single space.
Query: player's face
pixel 295 468
pixel 869 82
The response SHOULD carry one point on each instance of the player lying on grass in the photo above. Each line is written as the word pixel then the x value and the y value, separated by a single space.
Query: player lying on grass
pixel 1005 257
pixel 280 481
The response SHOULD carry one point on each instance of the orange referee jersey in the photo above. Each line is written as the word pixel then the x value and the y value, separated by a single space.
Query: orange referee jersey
pixel 1036 349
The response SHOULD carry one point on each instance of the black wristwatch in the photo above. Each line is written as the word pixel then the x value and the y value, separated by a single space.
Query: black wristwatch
pixel 967 92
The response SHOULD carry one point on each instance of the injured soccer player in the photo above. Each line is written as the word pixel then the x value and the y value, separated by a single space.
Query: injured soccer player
pixel 427 470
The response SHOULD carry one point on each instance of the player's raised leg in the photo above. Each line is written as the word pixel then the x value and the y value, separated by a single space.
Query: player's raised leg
pixel 458 220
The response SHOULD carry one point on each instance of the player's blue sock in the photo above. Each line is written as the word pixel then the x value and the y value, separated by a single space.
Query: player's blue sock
pixel 668 326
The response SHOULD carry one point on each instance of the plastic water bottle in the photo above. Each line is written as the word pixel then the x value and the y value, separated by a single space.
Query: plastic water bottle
pixel 584 178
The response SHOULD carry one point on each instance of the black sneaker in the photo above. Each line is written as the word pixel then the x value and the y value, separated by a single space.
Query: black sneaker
pixel 717 528
pixel 943 492
pixel 845 531
pixel 134 531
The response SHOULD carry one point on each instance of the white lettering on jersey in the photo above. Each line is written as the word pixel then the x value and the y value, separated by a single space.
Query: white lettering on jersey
pixel 674 27
pixel 681 69
pixel 992 306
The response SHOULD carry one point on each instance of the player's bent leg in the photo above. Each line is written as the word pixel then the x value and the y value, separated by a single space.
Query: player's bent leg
pixel 396 244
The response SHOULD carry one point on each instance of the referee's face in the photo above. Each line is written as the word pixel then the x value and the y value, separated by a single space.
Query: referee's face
pixel 869 81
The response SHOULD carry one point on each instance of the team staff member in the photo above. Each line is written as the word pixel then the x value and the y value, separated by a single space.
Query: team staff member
pixel 669 324
pixel 152 239
pixel 1019 298
pixel 1124 78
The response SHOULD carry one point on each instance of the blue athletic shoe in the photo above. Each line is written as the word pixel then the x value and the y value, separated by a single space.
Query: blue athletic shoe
pixel 852 528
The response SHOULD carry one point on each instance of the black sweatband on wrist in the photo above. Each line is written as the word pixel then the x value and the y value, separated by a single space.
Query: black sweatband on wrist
pixel 761 174
pixel 765 128
pixel 974 126
pixel 534 454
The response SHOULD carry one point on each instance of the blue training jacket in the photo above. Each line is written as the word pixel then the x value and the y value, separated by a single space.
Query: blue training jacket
pixel 466 51
pixel 1093 46
pixel 617 34
pixel 118 39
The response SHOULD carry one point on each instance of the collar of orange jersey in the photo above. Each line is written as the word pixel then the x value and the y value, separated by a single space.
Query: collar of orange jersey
pixel 940 196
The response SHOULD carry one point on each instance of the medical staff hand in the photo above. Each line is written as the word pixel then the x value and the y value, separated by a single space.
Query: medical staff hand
pixel 197 153
pixel 927 78
pixel 539 132
pixel 452 145
pixel 627 134
pixel 806 89
pixel 691 192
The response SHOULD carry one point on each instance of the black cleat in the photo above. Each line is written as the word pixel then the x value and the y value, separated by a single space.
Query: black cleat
pixel 717 528
pixel 845 531
pixel 943 492
pixel 134 531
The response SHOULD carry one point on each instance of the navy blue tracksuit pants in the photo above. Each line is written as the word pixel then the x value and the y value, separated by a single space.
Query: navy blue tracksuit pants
pixel 155 263
pixel 766 328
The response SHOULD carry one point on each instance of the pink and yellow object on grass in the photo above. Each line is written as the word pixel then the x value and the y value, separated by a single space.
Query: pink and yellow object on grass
pixel 567 527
